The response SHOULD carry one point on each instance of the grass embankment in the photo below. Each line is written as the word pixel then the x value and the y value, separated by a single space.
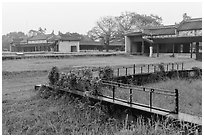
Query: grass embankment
pixel 66 115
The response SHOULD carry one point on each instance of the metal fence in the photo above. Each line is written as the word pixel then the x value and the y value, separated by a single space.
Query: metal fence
pixel 147 90
pixel 146 68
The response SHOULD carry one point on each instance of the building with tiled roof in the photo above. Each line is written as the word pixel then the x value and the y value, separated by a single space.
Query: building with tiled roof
pixel 185 37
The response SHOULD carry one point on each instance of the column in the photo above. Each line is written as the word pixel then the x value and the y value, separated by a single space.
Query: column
pixel 150 50
pixel 127 44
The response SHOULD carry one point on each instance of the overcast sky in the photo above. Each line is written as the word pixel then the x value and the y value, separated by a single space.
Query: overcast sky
pixel 81 17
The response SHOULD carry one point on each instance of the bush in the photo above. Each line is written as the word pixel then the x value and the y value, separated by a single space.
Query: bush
pixel 106 73
pixel 53 76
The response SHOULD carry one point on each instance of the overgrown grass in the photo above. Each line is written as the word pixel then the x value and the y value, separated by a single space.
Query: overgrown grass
pixel 68 115
pixel 190 93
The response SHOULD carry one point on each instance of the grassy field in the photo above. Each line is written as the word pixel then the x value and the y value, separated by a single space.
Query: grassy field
pixel 46 64
pixel 25 113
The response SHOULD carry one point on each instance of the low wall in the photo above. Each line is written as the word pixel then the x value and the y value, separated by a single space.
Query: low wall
pixel 59 55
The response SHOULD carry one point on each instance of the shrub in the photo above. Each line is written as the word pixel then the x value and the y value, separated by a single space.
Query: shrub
pixel 53 76
pixel 106 73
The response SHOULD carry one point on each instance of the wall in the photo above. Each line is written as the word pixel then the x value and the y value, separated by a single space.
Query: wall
pixel 65 46
pixel 127 44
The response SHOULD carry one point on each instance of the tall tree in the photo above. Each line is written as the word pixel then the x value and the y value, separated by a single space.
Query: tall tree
pixel 104 30
pixel 7 39
pixel 131 21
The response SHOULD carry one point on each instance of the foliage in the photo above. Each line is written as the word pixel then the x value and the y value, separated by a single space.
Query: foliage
pixel 106 73
pixel 69 116
pixel 111 28
pixel 53 76
pixel 104 30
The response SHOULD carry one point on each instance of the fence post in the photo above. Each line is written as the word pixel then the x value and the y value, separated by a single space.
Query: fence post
pixel 130 96
pixel 126 71
pixel 177 66
pixel 176 101
pixel 113 93
pixel 118 72
pixel 154 69
pixel 150 98
pixel 167 67
pixel 134 69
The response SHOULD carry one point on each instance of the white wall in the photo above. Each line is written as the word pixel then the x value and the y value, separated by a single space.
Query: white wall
pixel 127 44
pixel 65 46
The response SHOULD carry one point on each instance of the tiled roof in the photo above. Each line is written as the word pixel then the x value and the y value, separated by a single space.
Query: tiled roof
pixel 90 43
pixel 16 41
pixel 65 37
pixel 134 33
pixel 162 30
pixel 53 38
pixel 32 45
pixel 192 24
pixel 40 37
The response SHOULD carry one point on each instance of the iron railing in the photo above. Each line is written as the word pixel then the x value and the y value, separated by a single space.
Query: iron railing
pixel 147 90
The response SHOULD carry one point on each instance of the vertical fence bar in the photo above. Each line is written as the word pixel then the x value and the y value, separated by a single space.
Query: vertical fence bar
pixel 167 67
pixel 177 66
pixel 182 65
pixel 130 96
pixel 176 101
pixel 150 98
pixel 118 72
pixel 113 93
pixel 148 68
pixel 126 71
pixel 134 69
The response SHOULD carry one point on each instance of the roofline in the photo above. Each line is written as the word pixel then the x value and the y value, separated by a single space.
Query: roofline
pixel 161 27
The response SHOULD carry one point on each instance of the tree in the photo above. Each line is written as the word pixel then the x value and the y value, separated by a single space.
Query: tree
pixel 131 21
pixel 104 30
pixel 7 39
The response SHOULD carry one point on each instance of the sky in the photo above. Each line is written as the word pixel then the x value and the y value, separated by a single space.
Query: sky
pixel 81 17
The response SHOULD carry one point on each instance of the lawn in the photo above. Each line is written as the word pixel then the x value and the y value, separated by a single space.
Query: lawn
pixel 25 113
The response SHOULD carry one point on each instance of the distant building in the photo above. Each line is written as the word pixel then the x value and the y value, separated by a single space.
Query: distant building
pixel 59 43
pixel 185 37
pixel 68 44
pixel 41 42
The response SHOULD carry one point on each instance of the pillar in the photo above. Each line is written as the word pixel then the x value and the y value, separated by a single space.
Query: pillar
pixel 150 50
pixel 127 44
